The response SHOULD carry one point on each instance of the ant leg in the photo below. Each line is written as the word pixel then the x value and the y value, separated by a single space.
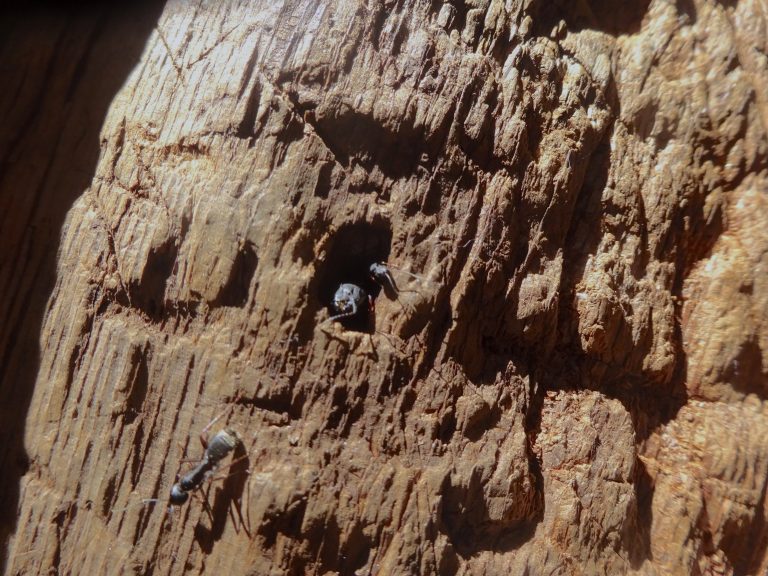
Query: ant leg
pixel 338 317
pixel 344 314
pixel 207 504
pixel 235 483
pixel 228 474
pixel 188 461
pixel 385 279
pixel 411 274
pixel 204 433
pixel 388 338
pixel 232 517
pixel 237 504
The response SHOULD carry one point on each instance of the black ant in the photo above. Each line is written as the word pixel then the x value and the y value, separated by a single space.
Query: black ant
pixel 219 447
pixel 350 299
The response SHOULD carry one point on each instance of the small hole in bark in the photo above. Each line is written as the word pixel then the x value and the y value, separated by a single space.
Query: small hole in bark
pixel 235 290
pixel 108 500
pixel 609 16
pixel 324 180
pixel 340 400
pixel 137 391
pixel 351 252
pixel 447 427
pixel 149 293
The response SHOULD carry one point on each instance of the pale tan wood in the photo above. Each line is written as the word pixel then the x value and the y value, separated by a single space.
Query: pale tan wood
pixel 571 200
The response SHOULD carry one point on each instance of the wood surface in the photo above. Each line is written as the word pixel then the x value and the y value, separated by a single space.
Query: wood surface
pixel 572 198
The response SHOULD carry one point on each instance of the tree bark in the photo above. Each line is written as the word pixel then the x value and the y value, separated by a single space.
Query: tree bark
pixel 569 376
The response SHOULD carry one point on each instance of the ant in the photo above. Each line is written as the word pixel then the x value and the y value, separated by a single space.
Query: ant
pixel 350 299
pixel 224 442
pixel 382 275
pixel 220 446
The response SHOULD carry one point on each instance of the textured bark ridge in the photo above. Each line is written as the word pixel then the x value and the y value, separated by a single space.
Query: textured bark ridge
pixel 570 379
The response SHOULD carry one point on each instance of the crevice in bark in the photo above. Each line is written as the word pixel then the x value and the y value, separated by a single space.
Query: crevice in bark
pixel 355 550
pixel 324 182
pixel 358 138
pixel 139 386
pixel 286 522
pixel 108 499
pixel 759 536
pixel 637 539
pixel 148 294
pixel 469 528
pixel 613 17
pixel 274 397
pixel 247 128
pixel 236 289
pixel 351 251
pixel 465 514
pixel 137 453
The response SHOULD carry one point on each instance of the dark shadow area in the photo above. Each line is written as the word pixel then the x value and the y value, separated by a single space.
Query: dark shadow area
pixel 614 17
pixel 355 551
pixel 465 520
pixel 637 540
pixel 584 234
pixel 237 287
pixel 137 392
pixel 271 395
pixel 746 373
pixel 325 550
pixel 486 418
pixel 287 521
pixel 465 513
pixel 350 254
pixel 148 294
pixel 61 69
pixel 649 403
pixel 228 498
pixel 758 541
pixel 357 138
pixel 687 7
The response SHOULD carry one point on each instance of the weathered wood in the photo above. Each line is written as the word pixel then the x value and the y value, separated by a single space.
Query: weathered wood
pixel 571 378
pixel 60 73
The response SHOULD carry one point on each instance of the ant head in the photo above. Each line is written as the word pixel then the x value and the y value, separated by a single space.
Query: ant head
pixel 178 495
